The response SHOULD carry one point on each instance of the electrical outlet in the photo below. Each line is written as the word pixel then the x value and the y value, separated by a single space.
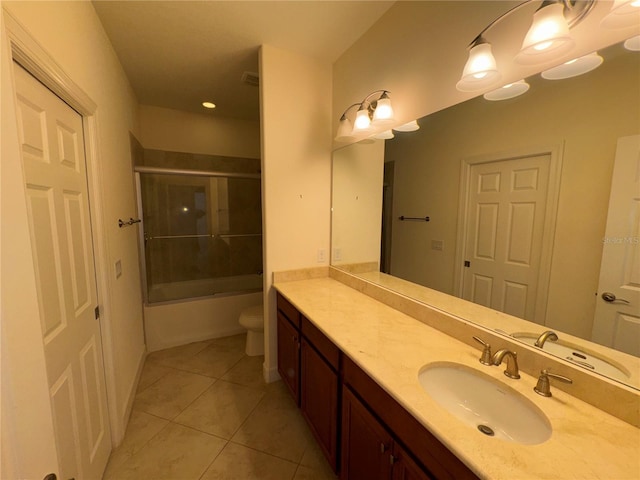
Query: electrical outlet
pixel 437 245
pixel 337 254
pixel 322 255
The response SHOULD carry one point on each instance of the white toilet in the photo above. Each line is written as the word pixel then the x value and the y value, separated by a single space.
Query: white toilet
pixel 252 319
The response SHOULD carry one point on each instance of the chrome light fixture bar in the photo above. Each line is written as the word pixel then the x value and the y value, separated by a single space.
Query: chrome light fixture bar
pixel 374 114
pixel 548 37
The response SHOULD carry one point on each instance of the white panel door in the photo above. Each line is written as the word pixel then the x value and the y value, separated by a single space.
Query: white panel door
pixel 617 321
pixel 506 210
pixel 53 157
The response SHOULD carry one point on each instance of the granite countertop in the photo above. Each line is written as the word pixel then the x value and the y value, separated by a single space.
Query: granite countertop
pixel 392 347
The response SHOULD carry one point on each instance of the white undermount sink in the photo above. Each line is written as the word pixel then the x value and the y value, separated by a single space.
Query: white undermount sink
pixel 486 404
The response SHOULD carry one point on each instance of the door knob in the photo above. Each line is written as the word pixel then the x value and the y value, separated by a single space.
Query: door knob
pixel 611 298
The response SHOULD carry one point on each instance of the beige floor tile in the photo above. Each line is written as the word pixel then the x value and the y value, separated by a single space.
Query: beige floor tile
pixel 237 462
pixel 306 473
pixel 151 373
pixel 141 428
pixel 315 459
pixel 276 427
pixel 221 409
pixel 171 394
pixel 177 452
pixel 212 361
pixel 248 371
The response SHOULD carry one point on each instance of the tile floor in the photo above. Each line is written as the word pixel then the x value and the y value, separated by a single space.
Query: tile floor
pixel 203 411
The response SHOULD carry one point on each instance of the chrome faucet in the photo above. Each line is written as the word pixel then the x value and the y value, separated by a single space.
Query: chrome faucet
pixel 512 362
pixel 548 335
pixel 544 385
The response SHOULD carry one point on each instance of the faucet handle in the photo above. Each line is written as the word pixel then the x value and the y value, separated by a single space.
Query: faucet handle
pixel 485 358
pixel 543 386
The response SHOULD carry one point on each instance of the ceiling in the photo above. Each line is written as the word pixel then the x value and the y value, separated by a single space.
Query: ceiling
pixel 178 54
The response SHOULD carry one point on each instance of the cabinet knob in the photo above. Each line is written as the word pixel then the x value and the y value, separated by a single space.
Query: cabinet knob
pixel 392 460
pixel 383 447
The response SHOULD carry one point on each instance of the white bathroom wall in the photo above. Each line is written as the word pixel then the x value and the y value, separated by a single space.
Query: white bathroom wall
pixel 295 93
pixel 71 33
pixel 356 201
pixel 176 131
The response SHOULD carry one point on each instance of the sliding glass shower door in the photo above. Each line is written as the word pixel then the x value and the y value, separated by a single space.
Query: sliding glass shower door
pixel 202 233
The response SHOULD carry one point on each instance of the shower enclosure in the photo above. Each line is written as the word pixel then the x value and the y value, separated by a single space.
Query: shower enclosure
pixel 202 233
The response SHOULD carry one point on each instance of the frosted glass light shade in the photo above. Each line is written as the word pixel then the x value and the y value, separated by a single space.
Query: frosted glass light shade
pixel 362 122
pixel 623 13
pixel 411 126
pixel 633 43
pixel 386 135
pixel 344 130
pixel 480 71
pixel 508 91
pixel 573 68
pixel 547 38
pixel 384 111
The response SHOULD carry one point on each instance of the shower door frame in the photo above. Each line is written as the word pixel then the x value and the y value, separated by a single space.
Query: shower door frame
pixel 141 231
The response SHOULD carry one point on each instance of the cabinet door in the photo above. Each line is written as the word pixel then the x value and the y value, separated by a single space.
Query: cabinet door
pixel 405 468
pixel 319 400
pixel 366 445
pixel 289 356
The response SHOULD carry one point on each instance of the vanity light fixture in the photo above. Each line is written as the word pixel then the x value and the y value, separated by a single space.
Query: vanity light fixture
pixel 374 112
pixel 507 91
pixel 548 37
pixel 573 68
pixel 623 13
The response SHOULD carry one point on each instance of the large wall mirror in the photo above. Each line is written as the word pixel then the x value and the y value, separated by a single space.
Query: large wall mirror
pixel 517 195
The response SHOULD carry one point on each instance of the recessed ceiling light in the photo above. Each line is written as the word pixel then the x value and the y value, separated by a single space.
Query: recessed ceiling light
pixel 574 67
pixel 508 91
pixel 208 105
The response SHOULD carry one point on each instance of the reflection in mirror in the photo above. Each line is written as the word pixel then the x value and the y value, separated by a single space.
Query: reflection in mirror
pixel 518 191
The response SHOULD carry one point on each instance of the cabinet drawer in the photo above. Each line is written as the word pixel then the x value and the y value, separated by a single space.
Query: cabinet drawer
pixel 426 448
pixel 322 344
pixel 288 310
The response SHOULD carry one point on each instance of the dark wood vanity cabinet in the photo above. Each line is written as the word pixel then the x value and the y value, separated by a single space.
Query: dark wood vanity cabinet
pixel 289 347
pixel 366 444
pixel 309 365
pixel 369 450
pixel 364 433
pixel 320 389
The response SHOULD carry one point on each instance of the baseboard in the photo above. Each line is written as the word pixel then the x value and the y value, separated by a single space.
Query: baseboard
pixel 270 374
pixel 117 437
